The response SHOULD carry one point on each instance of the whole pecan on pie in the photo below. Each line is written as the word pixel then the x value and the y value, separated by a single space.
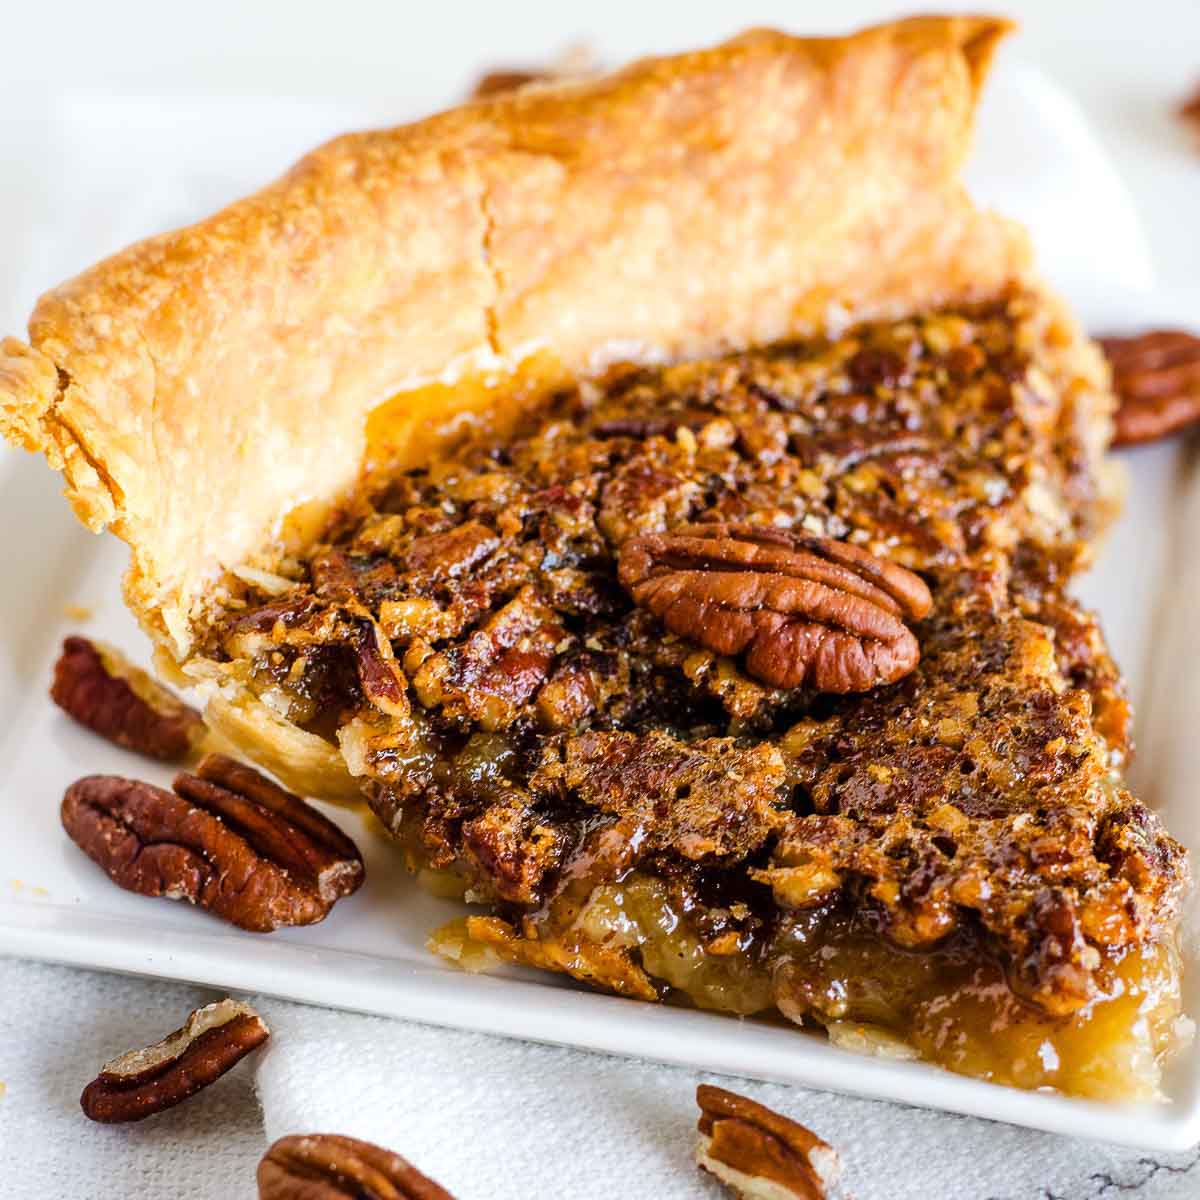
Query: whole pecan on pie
pixel 327 1166
pixel 758 1153
pixel 1156 377
pixel 805 610
pixel 98 686
pixel 141 1083
pixel 227 839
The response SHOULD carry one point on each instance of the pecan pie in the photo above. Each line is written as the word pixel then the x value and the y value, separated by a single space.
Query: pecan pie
pixel 658 495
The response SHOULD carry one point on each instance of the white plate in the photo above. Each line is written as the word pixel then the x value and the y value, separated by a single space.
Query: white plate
pixel 369 955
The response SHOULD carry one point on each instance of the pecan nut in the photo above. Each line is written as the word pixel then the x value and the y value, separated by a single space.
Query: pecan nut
pixel 327 1166
pixel 98 686
pixel 227 839
pixel 1189 111
pixel 382 681
pixel 805 610
pixel 504 80
pixel 1156 377
pixel 756 1152
pixel 573 63
pixel 141 1083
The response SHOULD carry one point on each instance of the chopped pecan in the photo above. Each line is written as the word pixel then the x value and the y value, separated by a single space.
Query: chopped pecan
pixel 705 799
pixel 141 1083
pixel 327 1166
pixel 806 610
pixel 494 82
pixel 379 674
pixel 574 62
pixel 1189 110
pixel 452 553
pixel 499 667
pixel 757 1153
pixel 227 839
pixel 659 425
pixel 1157 380
pixel 513 848
pixel 103 690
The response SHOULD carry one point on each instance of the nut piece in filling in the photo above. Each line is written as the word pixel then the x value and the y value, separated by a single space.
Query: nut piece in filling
pixel 759 1154
pixel 585 675
pixel 141 1083
pixel 226 839
pixel 805 610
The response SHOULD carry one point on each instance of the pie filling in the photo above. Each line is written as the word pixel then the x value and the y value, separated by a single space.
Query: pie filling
pixel 945 866
pixel 952 1006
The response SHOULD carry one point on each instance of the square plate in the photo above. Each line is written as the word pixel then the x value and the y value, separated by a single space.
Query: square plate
pixel 369 955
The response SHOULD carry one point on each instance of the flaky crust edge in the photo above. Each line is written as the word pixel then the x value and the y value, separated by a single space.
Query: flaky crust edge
pixel 199 386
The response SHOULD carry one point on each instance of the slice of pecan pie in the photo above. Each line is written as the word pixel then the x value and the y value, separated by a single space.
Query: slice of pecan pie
pixel 658 494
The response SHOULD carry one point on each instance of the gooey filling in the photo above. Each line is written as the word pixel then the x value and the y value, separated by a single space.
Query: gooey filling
pixel 944 863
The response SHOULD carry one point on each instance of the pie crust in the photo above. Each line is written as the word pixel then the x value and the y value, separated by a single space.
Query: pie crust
pixel 198 387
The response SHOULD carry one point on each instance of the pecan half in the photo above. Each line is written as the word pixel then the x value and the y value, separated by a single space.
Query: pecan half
pixel 1189 111
pixel 806 610
pixel 98 686
pixel 327 1166
pixel 227 839
pixel 571 64
pixel 758 1154
pixel 1157 380
pixel 494 82
pixel 141 1083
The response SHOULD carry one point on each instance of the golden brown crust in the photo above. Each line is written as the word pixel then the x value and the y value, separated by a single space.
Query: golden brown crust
pixel 200 385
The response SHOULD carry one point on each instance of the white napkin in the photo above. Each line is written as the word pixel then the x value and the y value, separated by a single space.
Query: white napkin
pixel 58 1027
pixel 490 1119
pixel 504 1120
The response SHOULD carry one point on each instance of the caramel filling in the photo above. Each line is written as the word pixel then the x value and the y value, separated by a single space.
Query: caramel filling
pixel 952 1006
pixel 923 845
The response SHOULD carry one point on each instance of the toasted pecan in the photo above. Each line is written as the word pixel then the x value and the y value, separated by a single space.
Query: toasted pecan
pixel 759 1154
pixel 805 610
pixel 98 686
pixel 327 1166
pixel 1156 377
pixel 141 1083
pixel 227 839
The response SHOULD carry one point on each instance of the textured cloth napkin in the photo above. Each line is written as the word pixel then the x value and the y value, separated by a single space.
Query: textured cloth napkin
pixel 490 1119
pixel 58 1026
